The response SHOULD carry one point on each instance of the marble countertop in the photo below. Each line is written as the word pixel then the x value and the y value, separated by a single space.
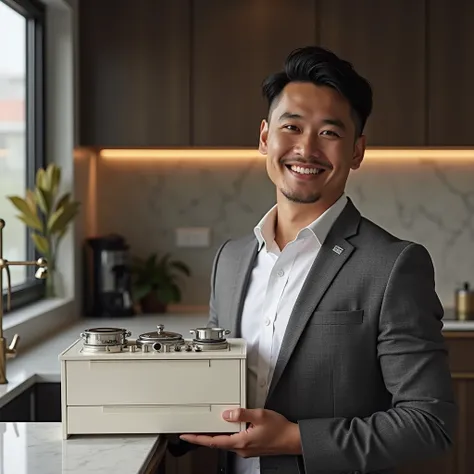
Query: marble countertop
pixel 27 448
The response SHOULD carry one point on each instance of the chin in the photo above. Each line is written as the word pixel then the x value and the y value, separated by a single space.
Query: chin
pixel 302 198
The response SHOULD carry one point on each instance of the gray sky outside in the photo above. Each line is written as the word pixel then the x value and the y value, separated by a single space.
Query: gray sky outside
pixel 12 156
pixel 12 42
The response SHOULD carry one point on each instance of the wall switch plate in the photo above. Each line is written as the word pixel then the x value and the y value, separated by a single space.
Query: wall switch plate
pixel 193 236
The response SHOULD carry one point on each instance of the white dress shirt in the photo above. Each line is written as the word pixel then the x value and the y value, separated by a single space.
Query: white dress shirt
pixel 275 282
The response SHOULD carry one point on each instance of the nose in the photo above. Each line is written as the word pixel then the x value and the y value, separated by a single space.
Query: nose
pixel 308 145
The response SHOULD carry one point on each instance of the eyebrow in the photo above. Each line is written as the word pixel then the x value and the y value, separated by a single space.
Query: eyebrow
pixel 336 122
pixel 288 115
pixel 327 121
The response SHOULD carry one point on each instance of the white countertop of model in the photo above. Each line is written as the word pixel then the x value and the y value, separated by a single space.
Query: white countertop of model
pixel 38 448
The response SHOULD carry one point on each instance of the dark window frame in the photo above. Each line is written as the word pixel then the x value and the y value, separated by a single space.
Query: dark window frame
pixel 34 12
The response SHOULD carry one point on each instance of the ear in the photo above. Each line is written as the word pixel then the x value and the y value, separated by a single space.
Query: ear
pixel 262 143
pixel 359 150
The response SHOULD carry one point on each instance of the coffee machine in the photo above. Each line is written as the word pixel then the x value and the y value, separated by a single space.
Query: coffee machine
pixel 107 282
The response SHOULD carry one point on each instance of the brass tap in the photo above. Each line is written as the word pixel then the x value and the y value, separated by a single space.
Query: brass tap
pixel 8 352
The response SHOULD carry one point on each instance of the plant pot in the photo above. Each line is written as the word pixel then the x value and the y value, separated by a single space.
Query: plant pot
pixel 151 304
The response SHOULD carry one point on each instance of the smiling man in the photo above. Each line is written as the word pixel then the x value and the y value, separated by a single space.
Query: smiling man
pixel 347 368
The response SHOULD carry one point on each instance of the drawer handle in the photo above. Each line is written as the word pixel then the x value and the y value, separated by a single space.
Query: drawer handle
pixel 177 363
pixel 162 409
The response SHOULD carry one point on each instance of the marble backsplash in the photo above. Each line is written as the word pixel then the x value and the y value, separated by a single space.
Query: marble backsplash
pixel 427 201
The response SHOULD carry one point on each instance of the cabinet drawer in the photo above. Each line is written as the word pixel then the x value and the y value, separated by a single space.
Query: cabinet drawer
pixel 134 419
pixel 151 382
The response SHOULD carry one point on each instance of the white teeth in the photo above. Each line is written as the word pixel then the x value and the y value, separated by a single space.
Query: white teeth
pixel 301 170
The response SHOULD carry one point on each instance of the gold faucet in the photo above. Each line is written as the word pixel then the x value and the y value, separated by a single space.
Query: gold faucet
pixel 7 352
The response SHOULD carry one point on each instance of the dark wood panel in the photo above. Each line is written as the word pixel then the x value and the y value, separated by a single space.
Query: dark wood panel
pixel 236 44
pixel 385 40
pixel 19 409
pixel 134 72
pixel 47 402
pixel 451 72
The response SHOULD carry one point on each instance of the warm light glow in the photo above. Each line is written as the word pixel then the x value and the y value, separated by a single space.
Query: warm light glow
pixel 3 153
pixel 175 154
pixel 393 155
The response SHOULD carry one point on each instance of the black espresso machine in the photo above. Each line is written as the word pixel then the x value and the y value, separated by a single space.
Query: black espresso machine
pixel 107 277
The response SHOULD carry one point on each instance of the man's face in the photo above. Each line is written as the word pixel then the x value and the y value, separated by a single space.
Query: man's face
pixel 310 144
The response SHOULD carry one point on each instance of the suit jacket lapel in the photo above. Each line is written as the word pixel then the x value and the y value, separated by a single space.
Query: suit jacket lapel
pixel 332 256
pixel 244 270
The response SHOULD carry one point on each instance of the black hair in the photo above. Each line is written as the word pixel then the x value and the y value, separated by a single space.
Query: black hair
pixel 323 68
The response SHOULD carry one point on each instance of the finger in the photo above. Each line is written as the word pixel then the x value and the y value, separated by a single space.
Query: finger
pixel 243 415
pixel 228 442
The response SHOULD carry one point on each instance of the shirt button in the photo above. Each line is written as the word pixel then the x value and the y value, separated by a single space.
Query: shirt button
pixel 267 322
pixel 280 273
pixel 262 383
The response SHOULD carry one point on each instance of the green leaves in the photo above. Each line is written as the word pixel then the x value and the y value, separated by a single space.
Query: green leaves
pixel 61 217
pixel 41 243
pixel 43 212
pixel 28 215
pixel 160 276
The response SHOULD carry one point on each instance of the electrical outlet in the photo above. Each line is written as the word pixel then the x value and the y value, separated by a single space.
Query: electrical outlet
pixel 193 236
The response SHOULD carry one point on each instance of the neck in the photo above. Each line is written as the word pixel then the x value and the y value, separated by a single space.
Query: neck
pixel 292 217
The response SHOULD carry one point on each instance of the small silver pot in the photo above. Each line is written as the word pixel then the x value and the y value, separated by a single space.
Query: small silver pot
pixel 105 336
pixel 209 334
pixel 160 341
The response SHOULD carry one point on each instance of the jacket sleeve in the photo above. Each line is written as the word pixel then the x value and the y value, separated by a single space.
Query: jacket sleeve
pixel 415 368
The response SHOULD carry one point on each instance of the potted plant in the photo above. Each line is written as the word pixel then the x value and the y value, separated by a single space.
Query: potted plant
pixel 48 215
pixel 156 282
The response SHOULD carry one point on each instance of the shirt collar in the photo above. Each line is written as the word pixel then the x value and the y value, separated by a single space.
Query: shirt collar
pixel 319 228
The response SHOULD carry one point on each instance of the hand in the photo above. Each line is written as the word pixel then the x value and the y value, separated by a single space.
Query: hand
pixel 268 433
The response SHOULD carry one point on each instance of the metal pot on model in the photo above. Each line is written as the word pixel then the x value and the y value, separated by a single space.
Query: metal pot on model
pixel 105 336
pixel 160 341
pixel 209 334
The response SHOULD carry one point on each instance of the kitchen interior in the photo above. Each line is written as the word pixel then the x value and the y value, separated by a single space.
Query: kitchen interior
pixel 152 115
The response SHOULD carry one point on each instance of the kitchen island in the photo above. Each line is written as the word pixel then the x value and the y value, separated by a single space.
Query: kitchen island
pixel 38 448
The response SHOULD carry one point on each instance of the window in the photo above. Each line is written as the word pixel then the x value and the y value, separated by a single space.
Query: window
pixel 21 132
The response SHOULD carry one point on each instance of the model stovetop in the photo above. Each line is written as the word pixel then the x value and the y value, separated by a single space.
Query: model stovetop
pixel 117 343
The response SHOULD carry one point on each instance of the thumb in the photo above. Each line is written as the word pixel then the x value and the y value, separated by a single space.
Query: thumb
pixel 240 415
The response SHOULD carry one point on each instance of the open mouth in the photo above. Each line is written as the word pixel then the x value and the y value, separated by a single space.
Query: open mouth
pixel 306 170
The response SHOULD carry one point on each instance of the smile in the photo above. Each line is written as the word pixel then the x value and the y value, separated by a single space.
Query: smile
pixel 305 170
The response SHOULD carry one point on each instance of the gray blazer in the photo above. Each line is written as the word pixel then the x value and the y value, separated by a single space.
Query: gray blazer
pixel 363 368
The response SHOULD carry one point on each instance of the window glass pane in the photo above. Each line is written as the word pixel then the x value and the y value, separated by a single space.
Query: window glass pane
pixel 12 134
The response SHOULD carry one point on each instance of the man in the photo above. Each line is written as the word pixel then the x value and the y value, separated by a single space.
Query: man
pixel 347 369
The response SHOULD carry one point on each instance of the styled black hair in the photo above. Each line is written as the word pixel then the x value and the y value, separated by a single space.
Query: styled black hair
pixel 323 68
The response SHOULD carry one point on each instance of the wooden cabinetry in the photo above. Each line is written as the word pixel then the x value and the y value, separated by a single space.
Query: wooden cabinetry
pixel 134 69
pixel 189 72
pixel 386 44
pixel 451 71
pixel 236 44
pixel 460 458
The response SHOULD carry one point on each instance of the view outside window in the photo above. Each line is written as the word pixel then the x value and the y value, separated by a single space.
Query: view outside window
pixel 13 160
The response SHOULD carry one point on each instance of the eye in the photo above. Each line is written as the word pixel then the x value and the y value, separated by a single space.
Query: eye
pixel 292 128
pixel 330 133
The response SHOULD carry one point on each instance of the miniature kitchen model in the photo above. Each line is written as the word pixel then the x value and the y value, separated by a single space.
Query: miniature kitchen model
pixel 158 383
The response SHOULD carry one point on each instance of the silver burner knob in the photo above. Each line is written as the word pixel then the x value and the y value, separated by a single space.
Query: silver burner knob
pixel 132 348
pixel 197 349
pixel 145 348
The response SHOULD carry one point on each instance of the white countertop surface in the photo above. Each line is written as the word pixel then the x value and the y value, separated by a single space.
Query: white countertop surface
pixel 38 448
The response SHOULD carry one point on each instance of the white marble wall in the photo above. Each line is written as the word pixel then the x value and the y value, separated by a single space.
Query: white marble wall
pixel 428 202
